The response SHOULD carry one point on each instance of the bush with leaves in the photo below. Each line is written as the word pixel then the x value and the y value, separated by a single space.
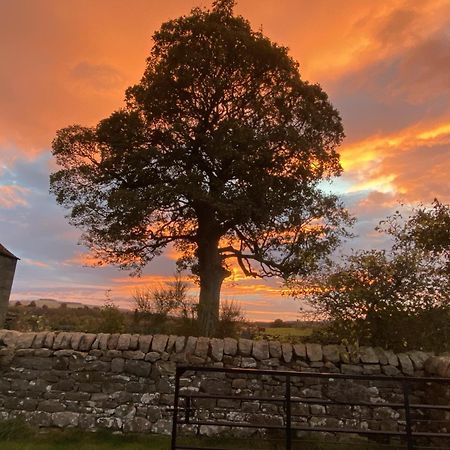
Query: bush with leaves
pixel 231 319
pixel 398 298
pixel 112 320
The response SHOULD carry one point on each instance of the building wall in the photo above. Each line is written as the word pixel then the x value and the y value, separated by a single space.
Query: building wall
pixel 7 270
pixel 126 382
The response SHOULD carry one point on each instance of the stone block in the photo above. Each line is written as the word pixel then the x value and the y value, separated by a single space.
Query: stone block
pixel 331 353
pixel 139 368
pixel 75 341
pixel 39 419
pixel 39 340
pixel 179 344
pixel 230 346
pixel 152 356
pixel 86 421
pixel 25 352
pixel 245 347
pixel 215 386
pixel 25 340
pixel 368 355
pixel 217 349
pixel 275 349
pixel 171 343
pixel 145 343
pixel 314 352
pixel 406 365
pixel 392 358
pixel 10 337
pixel 260 350
pixel 123 343
pixel 109 354
pixel 109 423
pixel 62 341
pixel 287 350
pixel 351 369
pixel 202 347
pixel 65 419
pixel 191 343
pixel 162 426
pixel 382 356
pixel 49 339
pixel 418 359
pixel 166 368
pixel 51 406
pixel 113 339
pixel 248 363
pixel 134 342
pixel 133 354
pixel 86 342
pixel 371 369
pixel 300 351
pixel 125 412
pixel 159 342
pixel 390 371
pixel 103 341
pixel 137 425
pixel 117 365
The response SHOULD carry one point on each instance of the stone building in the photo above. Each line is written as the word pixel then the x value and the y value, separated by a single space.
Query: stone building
pixel 7 269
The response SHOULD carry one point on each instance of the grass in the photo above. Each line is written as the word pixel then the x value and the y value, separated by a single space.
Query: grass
pixel 15 435
pixel 288 332
pixel 74 439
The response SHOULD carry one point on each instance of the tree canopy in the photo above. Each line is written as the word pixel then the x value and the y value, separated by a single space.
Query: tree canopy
pixel 219 151
pixel 396 298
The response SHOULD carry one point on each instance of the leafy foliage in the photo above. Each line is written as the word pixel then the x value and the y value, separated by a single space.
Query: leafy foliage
pixel 231 319
pixel 398 298
pixel 111 318
pixel 218 151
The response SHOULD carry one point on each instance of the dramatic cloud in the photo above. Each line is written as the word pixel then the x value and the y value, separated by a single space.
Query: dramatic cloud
pixel 12 196
pixel 384 64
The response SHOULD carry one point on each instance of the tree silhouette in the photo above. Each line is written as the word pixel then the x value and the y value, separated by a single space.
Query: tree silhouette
pixel 218 151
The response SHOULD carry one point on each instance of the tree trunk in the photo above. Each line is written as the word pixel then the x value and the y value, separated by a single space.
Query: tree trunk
pixel 212 274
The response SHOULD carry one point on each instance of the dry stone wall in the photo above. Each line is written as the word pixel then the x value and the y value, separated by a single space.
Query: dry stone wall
pixel 126 382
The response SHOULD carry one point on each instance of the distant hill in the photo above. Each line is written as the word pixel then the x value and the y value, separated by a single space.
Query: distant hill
pixel 52 303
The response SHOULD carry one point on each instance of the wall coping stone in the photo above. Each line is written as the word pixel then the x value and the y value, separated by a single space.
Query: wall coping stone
pixel 194 350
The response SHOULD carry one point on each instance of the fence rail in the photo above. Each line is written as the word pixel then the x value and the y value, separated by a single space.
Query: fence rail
pixel 182 415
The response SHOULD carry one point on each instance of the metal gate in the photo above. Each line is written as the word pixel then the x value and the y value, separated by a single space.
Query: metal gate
pixel 184 408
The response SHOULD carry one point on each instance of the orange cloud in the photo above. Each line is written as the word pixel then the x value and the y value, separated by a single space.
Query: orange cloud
pixel 62 67
pixel 396 162
pixel 12 196
pixel 34 262
pixel 83 259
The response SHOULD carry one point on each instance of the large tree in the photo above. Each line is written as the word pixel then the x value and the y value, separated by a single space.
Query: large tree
pixel 219 151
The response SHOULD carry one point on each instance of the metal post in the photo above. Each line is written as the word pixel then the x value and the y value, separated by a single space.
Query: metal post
pixel 187 412
pixel 288 414
pixel 176 399
pixel 409 436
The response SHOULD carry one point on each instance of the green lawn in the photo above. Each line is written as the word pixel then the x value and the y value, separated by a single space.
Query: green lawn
pixel 79 440
pixel 288 332
pixel 16 436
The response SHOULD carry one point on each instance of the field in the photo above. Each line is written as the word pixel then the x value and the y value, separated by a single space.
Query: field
pixel 288 332
pixel 16 436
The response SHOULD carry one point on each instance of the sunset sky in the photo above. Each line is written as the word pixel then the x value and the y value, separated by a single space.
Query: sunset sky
pixel 385 65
